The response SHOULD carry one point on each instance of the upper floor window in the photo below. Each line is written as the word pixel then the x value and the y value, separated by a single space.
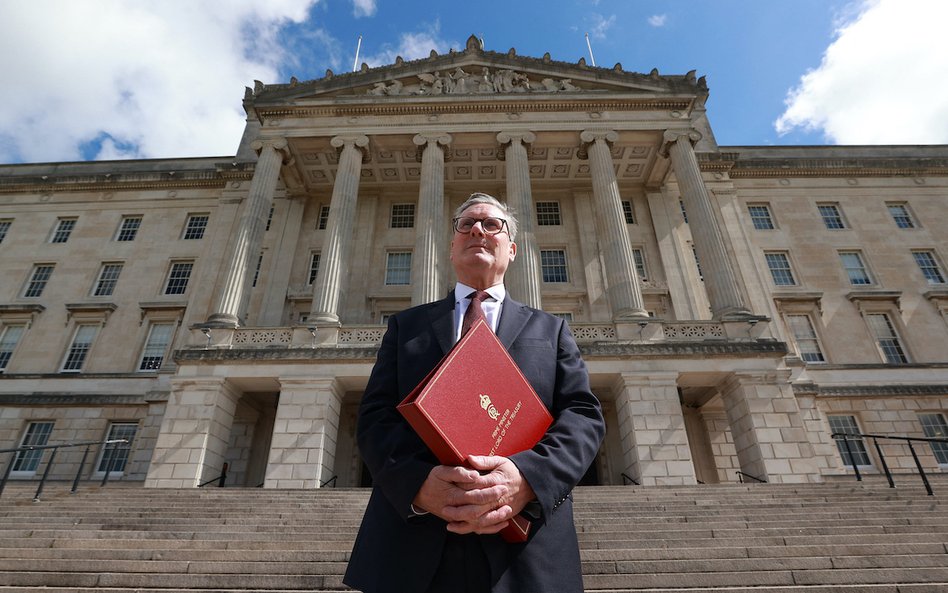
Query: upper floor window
pixel 79 348
pixel 402 216
pixel 694 252
pixel 313 267
pixel 832 216
pixel 553 265
pixel 5 225
pixel 886 338
pixel 256 272
pixel 156 346
pixel 9 337
pixel 178 277
pixel 36 435
pixel 901 215
pixel 38 280
pixel 548 213
pixel 398 268
pixel 128 228
pixel 323 218
pixel 779 265
pixel 856 449
pixel 805 337
pixel 761 217
pixel 934 427
pixel 929 266
pixel 108 278
pixel 855 268
pixel 269 219
pixel 684 214
pixel 195 227
pixel 627 212
pixel 639 258
pixel 62 230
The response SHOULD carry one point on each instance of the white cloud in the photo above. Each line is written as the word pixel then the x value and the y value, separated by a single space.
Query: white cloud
pixel 600 25
pixel 363 7
pixel 658 20
pixel 882 80
pixel 144 80
pixel 411 46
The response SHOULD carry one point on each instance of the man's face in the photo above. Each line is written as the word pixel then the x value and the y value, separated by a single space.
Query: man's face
pixel 480 260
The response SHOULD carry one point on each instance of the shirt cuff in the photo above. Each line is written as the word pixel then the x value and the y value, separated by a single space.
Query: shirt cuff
pixel 415 512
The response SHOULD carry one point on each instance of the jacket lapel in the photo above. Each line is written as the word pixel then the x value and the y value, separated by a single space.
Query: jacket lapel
pixel 513 318
pixel 442 322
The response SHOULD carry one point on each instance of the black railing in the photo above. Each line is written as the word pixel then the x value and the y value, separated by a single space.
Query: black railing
pixel 846 436
pixel 741 475
pixel 221 479
pixel 109 455
pixel 627 479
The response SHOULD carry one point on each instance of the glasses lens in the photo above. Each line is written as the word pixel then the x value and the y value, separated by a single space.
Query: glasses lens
pixel 492 225
pixel 464 225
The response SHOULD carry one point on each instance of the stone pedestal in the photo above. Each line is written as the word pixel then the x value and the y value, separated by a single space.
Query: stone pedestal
pixel 430 221
pixel 195 433
pixel 523 279
pixel 305 432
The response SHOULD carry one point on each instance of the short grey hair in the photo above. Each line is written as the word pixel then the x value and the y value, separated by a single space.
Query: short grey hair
pixel 481 198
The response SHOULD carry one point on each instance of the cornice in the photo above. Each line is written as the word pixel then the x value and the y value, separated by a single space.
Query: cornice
pixel 777 166
pixel 869 390
pixel 69 399
pixel 105 180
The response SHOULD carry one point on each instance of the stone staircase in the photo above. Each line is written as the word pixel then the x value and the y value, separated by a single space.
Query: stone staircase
pixel 839 537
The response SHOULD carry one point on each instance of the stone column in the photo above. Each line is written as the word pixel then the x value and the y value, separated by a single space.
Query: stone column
pixel 305 432
pixel 195 433
pixel 625 294
pixel 287 229
pixel 767 427
pixel 233 290
pixel 524 279
pixel 425 279
pixel 342 208
pixel 719 278
pixel 652 429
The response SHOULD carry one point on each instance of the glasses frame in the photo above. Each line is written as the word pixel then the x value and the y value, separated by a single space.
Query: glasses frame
pixel 503 225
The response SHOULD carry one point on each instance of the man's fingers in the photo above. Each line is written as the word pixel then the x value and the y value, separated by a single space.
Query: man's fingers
pixel 490 522
pixel 485 462
pixel 455 474
pixel 482 496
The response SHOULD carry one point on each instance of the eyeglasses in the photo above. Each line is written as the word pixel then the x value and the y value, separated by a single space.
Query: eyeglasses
pixel 490 225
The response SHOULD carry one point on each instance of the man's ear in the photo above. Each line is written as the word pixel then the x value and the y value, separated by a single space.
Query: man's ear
pixel 513 251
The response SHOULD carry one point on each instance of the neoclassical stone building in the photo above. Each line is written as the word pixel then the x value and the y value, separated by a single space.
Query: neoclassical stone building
pixel 735 305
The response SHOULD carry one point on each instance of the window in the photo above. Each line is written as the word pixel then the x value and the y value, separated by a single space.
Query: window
pixel 114 457
pixel 832 217
pixel 159 336
pixel 81 343
pixel 38 280
pixel 195 227
pixel 888 341
pixel 901 216
pixel 398 269
pixel 567 316
pixel 9 337
pixel 760 216
pixel 403 216
pixel 4 228
pixel 855 268
pixel 779 265
pixel 805 337
pixel 639 258
pixel 269 219
pixel 847 425
pixel 929 266
pixel 178 277
pixel 108 278
pixel 256 273
pixel 313 267
pixel 128 228
pixel 694 252
pixel 62 230
pixel 36 435
pixel 627 211
pixel 935 427
pixel 684 214
pixel 548 213
pixel 323 218
pixel 553 265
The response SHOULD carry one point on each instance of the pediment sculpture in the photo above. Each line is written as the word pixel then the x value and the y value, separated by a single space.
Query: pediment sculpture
pixel 461 82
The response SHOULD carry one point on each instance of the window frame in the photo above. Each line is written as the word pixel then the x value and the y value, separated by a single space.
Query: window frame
pixel 548 213
pixel 546 267
pixel 150 368
pixel 930 430
pixel 5 225
pixel 933 265
pixel 641 265
pixel 769 218
pixel 6 355
pixel 870 278
pixel 402 220
pixel 836 218
pixel 125 450
pixel 314 259
pixel 322 218
pixel 170 276
pixel 32 283
pixel 797 340
pixel 906 214
pixel 788 270
pixel 628 211
pixel 862 453
pixel 127 235
pixel 404 272
pixel 195 232
pixel 896 337
pixel 61 235
pixel 75 351
pixel 110 283
pixel 36 454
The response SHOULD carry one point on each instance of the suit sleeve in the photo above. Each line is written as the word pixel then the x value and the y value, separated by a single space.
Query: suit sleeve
pixel 557 463
pixel 397 458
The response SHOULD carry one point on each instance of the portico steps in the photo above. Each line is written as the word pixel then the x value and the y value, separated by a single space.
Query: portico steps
pixel 839 537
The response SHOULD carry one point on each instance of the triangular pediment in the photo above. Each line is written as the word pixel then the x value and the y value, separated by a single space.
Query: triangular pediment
pixel 475 73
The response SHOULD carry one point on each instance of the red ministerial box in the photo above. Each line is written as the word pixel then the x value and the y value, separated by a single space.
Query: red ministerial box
pixel 477 402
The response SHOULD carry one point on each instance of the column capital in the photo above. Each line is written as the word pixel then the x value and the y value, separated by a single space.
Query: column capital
pixel 508 139
pixel 359 141
pixel 423 140
pixel 278 144
pixel 672 136
pixel 588 137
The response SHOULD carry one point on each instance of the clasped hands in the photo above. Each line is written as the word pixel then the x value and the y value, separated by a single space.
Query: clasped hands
pixel 480 499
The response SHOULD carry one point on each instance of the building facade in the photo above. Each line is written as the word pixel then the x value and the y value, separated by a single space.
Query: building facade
pixel 736 306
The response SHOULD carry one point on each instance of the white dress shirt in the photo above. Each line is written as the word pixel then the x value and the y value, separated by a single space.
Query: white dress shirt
pixel 491 306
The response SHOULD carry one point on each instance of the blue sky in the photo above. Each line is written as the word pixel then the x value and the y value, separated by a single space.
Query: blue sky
pixel 133 79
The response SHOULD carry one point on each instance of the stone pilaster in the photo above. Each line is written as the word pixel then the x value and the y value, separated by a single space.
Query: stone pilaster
pixel 767 427
pixel 195 433
pixel 305 433
pixel 524 279
pixel 720 279
pixel 430 220
pixel 652 429
pixel 336 245
pixel 233 290
pixel 625 294
pixel 287 229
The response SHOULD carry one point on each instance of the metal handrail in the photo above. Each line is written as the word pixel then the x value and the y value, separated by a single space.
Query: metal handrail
pixel 627 479
pixel 221 479
pixel 52 457
pixel 741 475
pixel 885 466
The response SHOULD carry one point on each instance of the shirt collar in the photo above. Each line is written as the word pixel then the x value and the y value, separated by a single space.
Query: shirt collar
pixel 461 291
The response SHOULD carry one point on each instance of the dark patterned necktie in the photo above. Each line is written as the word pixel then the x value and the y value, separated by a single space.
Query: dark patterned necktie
pixel 474 310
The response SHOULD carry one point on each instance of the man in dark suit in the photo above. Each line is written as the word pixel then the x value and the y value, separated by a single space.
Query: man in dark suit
pixel 433 528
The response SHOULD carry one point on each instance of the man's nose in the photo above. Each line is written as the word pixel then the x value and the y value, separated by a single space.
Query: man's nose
pixel 478 229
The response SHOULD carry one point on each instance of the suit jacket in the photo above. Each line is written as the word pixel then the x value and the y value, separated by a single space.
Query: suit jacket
pixel 398 552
